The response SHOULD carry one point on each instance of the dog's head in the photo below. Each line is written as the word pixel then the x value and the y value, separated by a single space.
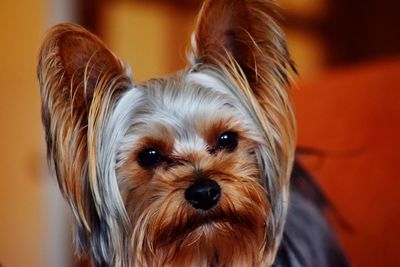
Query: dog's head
pixel 189 169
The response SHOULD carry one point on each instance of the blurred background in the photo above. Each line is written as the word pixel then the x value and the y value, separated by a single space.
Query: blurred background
pixel 347 98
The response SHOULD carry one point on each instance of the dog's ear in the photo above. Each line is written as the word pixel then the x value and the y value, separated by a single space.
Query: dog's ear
pixel 246 31
pixel 81 81
pixel 242 39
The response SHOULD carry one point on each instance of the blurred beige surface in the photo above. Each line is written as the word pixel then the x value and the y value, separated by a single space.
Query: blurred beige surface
pixel 20 136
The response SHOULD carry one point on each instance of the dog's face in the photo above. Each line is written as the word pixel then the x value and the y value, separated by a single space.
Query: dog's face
pixel 189 174
pixel 187 170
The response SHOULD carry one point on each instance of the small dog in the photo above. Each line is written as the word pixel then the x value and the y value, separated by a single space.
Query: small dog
pixel 192 169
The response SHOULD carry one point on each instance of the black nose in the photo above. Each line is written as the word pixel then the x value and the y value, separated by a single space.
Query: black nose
pixel 203 194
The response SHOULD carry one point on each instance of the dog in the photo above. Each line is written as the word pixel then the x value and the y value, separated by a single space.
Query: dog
pixel 192 169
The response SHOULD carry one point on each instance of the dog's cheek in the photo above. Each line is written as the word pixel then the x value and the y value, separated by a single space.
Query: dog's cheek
pixel 131 181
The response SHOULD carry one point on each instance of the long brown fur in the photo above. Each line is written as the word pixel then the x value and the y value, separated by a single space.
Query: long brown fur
pixel 79 78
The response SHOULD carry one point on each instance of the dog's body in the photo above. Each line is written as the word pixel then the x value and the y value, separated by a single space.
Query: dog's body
pixel 308 239
pixel 188 170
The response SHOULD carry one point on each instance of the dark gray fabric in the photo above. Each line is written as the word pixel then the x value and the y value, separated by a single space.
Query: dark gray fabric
pixel 308 240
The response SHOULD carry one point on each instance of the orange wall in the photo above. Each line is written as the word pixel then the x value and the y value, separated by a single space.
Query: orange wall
pixel 353 116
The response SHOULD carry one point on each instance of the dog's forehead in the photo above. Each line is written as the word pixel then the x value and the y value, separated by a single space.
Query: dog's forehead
pixel 189 111
pixel 185 102
pixel 188 95
pixel 183 108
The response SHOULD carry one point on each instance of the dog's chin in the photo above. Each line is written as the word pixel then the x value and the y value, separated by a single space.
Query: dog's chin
pixel 202 223
pixel 210 238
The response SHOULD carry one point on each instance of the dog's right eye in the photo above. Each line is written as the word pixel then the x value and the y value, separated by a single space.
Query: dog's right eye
pixel 227 141
pixel 149 158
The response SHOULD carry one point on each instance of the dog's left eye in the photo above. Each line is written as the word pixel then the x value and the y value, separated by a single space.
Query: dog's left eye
pixel 227 141
pixel 149 158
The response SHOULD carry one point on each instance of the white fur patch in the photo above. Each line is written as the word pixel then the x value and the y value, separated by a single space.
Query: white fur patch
pixel 109 138
pixel 208 81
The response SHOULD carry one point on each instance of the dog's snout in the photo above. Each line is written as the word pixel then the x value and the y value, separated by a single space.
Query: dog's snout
pixel 203 194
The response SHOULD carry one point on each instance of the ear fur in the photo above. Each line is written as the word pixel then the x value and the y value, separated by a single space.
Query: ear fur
pixel 80 83
pixel 242 39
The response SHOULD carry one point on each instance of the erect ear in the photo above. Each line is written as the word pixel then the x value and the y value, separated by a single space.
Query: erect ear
pixel 246 31
pixel 81 81
pixel 242 41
